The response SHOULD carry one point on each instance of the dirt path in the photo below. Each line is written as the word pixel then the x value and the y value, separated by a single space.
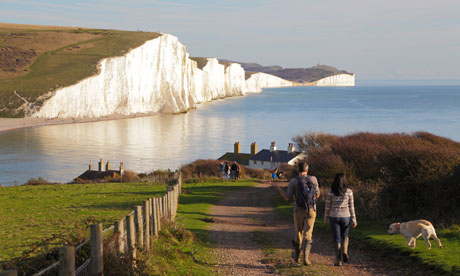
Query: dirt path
pixel 253 240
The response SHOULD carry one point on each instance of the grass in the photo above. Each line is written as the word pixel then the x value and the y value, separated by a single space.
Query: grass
pixel 61 65
pixel 372 237
pixel 30 214
pixel 177 254
pixel 197 198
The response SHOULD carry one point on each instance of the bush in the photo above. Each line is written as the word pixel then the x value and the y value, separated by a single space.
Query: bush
pixel 394 176
pixel 38 181
pixel 201 169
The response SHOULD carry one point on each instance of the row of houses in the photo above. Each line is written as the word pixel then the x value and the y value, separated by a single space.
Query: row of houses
pixel 266 158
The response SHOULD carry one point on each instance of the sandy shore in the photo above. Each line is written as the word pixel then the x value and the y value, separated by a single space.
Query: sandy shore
pixel 8 124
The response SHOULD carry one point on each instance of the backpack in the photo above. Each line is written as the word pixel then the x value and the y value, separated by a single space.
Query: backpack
pixel 306 194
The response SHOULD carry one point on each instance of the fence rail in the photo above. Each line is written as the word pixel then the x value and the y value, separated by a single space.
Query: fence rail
pixel 131 233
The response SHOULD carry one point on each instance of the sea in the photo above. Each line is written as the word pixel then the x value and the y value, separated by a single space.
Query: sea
pixel 60 153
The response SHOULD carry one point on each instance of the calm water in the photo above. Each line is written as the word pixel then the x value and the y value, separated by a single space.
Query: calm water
pixel 60 153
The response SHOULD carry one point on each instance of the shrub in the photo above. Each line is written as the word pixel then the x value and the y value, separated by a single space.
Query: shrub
pixel 130 176
pixel 396 175
pixel 38 181
pixel 201 169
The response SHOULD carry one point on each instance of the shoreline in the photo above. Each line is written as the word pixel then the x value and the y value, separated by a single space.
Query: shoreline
pixel 12 124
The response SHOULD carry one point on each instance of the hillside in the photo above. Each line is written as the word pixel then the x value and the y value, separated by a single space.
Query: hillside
pixel 300 75
pixel 37 59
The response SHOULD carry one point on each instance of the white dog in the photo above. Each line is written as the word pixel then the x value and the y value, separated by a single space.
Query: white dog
pixel 411 230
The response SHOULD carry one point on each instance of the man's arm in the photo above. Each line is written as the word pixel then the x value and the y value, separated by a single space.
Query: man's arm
pixel 280 190
pixel 288 195
pixel 314 180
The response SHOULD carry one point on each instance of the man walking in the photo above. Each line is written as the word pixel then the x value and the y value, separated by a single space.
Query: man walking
pixel 305 190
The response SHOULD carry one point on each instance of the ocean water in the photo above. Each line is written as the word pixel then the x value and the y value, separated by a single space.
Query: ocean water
pixel 62 152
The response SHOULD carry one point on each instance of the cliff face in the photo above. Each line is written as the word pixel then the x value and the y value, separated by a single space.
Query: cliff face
pixel 337 80
pixel 158 76
pixel 258 81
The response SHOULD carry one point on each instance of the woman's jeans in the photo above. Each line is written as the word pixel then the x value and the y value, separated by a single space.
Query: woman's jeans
pixel 340 227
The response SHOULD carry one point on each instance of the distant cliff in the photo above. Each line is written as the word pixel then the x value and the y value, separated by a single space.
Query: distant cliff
pixel 308 76
pixel 336 80
pixel 158 76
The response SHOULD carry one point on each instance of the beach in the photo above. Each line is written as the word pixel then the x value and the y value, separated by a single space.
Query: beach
pixel 9 124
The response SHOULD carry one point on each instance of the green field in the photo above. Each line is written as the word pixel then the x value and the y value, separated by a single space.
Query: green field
pixel 63 57
pixel 373 237
pixel 30 214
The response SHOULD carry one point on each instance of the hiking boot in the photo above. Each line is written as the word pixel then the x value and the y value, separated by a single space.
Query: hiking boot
pixel 338 255
pixel 295 255
pixel 345 250
pixel 306 247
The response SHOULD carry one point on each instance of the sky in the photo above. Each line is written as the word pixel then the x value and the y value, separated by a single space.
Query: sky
pixel 376 40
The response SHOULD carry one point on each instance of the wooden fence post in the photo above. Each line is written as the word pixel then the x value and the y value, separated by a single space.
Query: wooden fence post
pixel 173 197
pixel 177 200
pixel 66 261
pixel 120 242
pixel 131 235
pixel 168 198
pixel 96 239
pixel 171 202
pixel 154 218
pixel 162 208
pixel 158 214
pixel 139 226
pixel 9 273
pixel 152 221
pixel 147 224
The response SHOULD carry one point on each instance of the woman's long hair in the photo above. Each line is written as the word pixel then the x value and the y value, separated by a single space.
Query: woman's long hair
pixel 339 186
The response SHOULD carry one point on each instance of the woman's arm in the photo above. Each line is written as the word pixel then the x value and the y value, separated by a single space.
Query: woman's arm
pixel 351 206
pixel 327 209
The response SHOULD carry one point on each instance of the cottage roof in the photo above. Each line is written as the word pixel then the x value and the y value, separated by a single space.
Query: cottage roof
pixel 95 175
pixel 282 156
pixel 241 158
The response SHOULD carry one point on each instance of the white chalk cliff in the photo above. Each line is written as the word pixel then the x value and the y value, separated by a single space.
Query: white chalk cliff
pixel 158 76
pixel 337 80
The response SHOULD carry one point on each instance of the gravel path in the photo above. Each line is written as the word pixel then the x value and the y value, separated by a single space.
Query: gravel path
pixel 252 240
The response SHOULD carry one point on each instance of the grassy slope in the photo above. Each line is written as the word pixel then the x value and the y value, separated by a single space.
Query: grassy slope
pixel 59 67
pixel 372 237
pixel 29 214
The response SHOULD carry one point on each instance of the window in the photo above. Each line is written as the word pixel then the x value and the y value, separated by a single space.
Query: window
pixel 255 162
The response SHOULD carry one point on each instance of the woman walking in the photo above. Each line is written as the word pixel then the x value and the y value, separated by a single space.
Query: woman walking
pixel 340 212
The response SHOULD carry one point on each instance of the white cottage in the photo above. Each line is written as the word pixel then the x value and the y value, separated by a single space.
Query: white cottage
pixel 273 158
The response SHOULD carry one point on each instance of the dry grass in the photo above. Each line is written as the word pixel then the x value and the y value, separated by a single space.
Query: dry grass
pixel 6 27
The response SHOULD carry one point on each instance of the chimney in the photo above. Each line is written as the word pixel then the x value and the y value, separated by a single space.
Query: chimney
pixel 122 168
pixel 237 147
pixel 90 165
pixel 253 148
pixel 100 164
pixel 291 148
pixel 107 166
pixel 273 146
